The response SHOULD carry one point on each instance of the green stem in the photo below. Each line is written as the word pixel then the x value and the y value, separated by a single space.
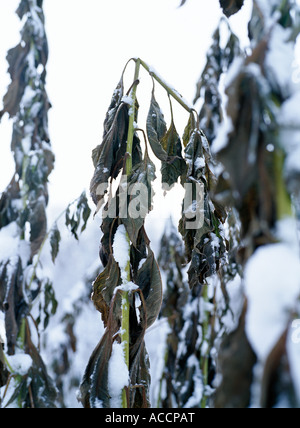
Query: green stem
pixel 283 200
pixel 11 370
pixel 169 90
pixel 125 325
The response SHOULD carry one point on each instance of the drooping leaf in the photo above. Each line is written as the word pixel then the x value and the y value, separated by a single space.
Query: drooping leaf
pixel 38 226
pixel 277 378
pixel 109 157
pixel 140 189
pixel 166 144
pixel 55 239
pixel 176 167
pixel 218 61
pixel 104 288
pixel 140 372
pixel 16 89
pixel 81 214
pixel 156 129
pixel 189 129
pixel 14 304
pixel 22 8
pixel 8 211
pixel 236 354
pixel 114 105
pixel 3 370
pixel 49 305
pixel 94 391
pixel 149 281
pixel 195 156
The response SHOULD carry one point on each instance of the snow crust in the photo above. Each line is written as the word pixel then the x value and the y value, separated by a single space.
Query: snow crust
pixel 272 285
pixel 121 248
pixel 280 57
pixel 118 375
pixel 289 121
pixel 20 363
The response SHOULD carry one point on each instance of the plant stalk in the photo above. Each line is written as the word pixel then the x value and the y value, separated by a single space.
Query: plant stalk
pixel 132 117
pixel 125 325
pixel 169 90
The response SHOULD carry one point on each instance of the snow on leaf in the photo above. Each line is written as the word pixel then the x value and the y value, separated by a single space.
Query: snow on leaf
pixel 118 375
pixel 121 248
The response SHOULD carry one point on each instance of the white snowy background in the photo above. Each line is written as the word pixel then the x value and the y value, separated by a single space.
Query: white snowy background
pixel 90 42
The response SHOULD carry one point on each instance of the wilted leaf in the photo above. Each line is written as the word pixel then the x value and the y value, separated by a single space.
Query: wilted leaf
pixel 43 391
pixel 114 105
pixel 80 216
pixel 156 130
pixel 166 144
pixel 195 156
pixel 16 59
pixel 205 248
pixel 104 288
pixel 55 239
pixel 149 281
pixel 23 8
pixel 38 226
pixel 189 129
pixel 140 373
pixel 218 61
pixel 140 200
pixel 176 167
pixel 8 211
pixel 277 378
pixel 236 362
pixel 13 304
pixel 108 158
pixel 94 389
pixel 49 303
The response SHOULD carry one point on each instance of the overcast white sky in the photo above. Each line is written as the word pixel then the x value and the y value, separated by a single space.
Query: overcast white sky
pixel 90 41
